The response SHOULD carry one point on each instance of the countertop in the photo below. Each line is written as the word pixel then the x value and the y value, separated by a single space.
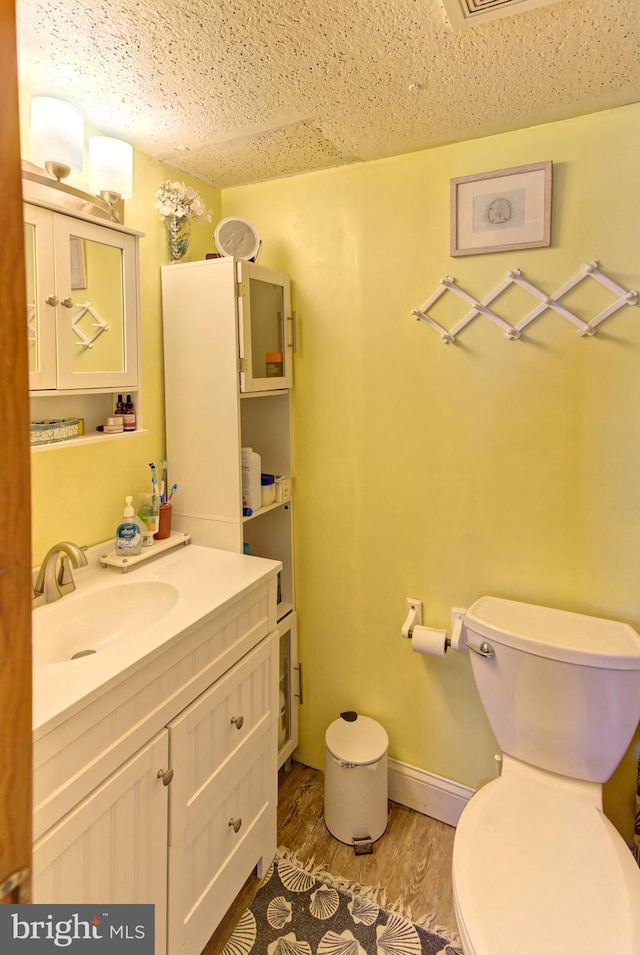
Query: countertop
pixel 207 581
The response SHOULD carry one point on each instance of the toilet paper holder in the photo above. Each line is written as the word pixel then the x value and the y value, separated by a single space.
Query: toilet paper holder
pixel 414 617
pixel 457 640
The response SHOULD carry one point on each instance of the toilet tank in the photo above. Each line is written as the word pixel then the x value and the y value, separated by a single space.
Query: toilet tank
pixel 562 690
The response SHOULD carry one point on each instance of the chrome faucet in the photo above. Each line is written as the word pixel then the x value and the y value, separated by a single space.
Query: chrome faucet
pixel 55 581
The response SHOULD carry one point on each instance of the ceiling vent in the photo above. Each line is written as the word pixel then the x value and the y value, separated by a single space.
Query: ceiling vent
pixel 468 13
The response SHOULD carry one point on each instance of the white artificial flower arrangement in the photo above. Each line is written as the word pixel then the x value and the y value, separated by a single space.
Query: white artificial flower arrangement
pixel 183 202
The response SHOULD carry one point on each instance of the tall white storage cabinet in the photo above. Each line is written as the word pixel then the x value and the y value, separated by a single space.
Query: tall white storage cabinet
pixel 222 317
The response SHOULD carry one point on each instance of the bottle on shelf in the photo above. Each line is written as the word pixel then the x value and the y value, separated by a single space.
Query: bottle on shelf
pixel 119 409
pixel 251 482
pixel 274 363
pixel 129 415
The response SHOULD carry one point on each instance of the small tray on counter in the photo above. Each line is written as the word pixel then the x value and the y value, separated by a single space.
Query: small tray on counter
pixel 125 561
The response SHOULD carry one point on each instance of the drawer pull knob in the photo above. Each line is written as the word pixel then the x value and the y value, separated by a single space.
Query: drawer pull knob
pixel 52 300
pixel 235 824
pixel 166 775
pixel 67 302
pixel 238 720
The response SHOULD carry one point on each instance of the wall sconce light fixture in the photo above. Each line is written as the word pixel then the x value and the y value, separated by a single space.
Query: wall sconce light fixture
pixel 110 169
pixel 57 136
pixel 57 145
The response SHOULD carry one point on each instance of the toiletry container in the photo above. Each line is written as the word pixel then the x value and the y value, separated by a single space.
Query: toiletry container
pixel 251 484
pixel 283 488
pixel 129 416
pixel 128 540
pixel 148 514
pixel 113 425
pixel 275 365
pixel 268 483
pixel 356 780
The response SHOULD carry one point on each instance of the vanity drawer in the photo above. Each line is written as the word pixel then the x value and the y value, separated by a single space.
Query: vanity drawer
pixel 218 837
pixel 77 755
pixel 214 733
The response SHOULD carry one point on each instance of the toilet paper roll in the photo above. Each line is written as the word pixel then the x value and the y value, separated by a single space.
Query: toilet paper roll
pixel 429 640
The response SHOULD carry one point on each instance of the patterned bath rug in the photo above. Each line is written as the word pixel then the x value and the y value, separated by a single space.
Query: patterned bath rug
pixel 302 910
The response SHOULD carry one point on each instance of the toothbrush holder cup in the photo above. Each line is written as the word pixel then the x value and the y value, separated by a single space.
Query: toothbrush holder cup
pixel 164 522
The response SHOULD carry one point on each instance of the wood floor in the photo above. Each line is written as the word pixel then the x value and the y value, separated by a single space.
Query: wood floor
pixel 412 861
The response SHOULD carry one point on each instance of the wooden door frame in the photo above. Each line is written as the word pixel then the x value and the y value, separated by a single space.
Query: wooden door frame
pixel 15 519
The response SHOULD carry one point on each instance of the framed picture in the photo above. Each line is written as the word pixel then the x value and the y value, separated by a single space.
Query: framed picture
pixel 504 209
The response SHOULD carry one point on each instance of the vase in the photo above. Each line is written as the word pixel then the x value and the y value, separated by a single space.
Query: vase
pixel 178 237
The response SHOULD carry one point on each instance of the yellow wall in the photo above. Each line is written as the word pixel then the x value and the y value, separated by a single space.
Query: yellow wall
pixel 78 492
pixel 443 472
pixel 424 470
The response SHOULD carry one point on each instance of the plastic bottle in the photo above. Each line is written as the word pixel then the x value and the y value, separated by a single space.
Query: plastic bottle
pixel 251 485
pixel 268 482
pixel 129 415
pixel 129 532
pixel 148 514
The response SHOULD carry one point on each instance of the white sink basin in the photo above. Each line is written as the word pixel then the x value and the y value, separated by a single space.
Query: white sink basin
pixel 80 625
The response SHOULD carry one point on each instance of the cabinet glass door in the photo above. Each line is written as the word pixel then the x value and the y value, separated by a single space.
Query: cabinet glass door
pixel 41 301
pixel 265 318
pixel 97 345
pixel 290 688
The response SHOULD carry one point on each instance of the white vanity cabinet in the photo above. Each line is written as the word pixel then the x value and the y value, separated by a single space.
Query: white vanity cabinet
pixel 82 312
pixel 111 848
pixel 221 317
pixel 163 789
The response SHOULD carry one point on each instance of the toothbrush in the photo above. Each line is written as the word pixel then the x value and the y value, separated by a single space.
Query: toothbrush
pixel 154 478
pixel 163 478
pixel 172 492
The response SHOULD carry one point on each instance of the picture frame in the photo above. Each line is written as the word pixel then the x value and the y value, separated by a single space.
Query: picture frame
pixel 501 210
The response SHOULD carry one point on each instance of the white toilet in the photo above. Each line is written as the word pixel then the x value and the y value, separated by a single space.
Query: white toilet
pixel 538 869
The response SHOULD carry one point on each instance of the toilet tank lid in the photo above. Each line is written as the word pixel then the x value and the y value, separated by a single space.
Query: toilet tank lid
pixel 555 634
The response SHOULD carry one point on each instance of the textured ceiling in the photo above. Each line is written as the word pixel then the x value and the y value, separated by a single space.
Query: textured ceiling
pixel 235 91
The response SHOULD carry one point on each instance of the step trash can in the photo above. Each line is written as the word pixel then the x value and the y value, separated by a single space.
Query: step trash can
pixel 356 780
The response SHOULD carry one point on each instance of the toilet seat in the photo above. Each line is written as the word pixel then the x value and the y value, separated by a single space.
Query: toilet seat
pixel 538 868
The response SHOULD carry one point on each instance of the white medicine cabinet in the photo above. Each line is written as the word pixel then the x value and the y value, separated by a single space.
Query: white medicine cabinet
pixel 221 319
pixel 82 314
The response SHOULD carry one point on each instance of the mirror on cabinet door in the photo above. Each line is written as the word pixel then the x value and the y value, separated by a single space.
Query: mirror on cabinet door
pixel 41 298
pixel 267 325
pixel 32 300
pixel 96 315
pixel 95 305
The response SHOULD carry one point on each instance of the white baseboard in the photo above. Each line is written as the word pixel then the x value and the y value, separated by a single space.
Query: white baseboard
pixel 427 793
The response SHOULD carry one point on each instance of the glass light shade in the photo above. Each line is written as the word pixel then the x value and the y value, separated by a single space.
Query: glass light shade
pixel 110 166
pixel 57 133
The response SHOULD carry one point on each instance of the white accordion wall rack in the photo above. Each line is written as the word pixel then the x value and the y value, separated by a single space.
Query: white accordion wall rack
pixel 516 277
pixel 99 324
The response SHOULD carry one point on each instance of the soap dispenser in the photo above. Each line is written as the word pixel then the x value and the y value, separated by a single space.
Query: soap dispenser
pixel 129 532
